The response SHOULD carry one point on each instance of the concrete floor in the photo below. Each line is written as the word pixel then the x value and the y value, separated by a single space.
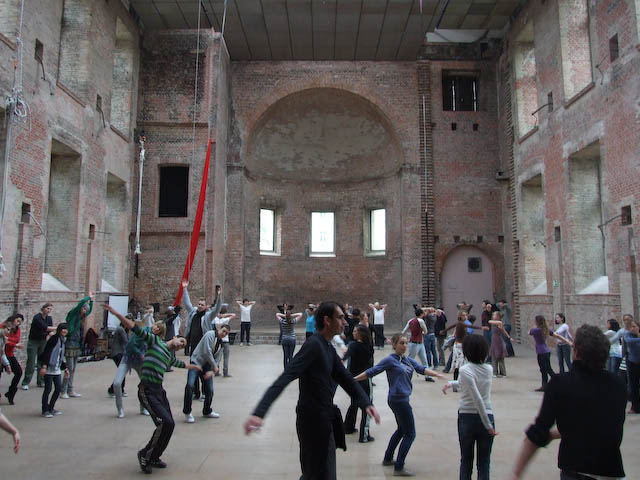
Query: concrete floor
pixel 89 442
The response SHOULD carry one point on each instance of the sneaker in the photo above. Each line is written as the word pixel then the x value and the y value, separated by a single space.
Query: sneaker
pixel 47 415
pixel 495 376
pixel 25 387
pixel 75 395
pixel 188 418
pixel 541 389
pixel 349 432
pixel 158 463
pixel 144 411
pixel 211 415
pixel 125 394
pixel 144 466
pixel 367 439
pixel 242 344
pixel 9 398
pixel 55 412
pixel 429 379
pixel 388 463
pixel 111 394
pixel 64 395
pixel 120 413
pixel 249 343
pixel 403 473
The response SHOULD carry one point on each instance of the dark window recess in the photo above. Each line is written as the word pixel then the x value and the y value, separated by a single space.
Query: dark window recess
pixel 550 102
pixel 475 127
pixel 454 126
pixel 500 238
pixel 38 54
pixel 626 215
pixel 174 191
pixel 614 50
pixel 474 264
pixel 436 238
pixel 92 232
pixel 479 239
pixel 456 238
pixel 557 234
pixel 98 103
pixel 26 213
pixel 459 92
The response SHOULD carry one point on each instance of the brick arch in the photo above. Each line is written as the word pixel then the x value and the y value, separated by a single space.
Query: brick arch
pixel 497 263
pixel 367 94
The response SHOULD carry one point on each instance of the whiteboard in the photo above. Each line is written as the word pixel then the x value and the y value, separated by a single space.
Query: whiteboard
pixel 120 303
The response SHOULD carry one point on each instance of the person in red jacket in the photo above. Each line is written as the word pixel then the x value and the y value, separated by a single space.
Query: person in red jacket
pixel 12 335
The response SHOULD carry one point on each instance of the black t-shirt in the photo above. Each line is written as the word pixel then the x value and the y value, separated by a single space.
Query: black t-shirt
pixel 361 357
pixel 39 326
pixel 195 334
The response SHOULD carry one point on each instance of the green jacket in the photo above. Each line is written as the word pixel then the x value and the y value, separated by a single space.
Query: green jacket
pixel 73 317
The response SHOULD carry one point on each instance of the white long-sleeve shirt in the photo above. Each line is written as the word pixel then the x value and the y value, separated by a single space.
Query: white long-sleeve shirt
pixel 474 381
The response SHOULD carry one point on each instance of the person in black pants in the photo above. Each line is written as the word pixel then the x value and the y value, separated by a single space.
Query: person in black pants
pixel 359 357
pixel 319 368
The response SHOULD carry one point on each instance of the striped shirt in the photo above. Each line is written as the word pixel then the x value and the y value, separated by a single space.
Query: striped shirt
pixel 157 359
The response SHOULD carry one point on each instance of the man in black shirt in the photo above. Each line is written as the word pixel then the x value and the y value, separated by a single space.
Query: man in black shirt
pixel 41 325
pixel 587 405
pixel 317 366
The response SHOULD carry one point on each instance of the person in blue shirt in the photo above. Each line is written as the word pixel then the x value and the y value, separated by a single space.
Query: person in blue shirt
pixel 399 370
pixel 311 320
pixel 632 348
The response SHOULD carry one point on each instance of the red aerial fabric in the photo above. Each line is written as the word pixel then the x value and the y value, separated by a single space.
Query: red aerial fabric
pixel 195 233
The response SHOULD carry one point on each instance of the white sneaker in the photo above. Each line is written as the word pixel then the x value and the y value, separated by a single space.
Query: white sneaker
pixel 212 415
pixel 120 413
pixel 125 394
pixel 241 344
pixel 64 395
pixel 188 418
pixel 202 398
pixel 144 411
pixel 75 395
pixel 25 387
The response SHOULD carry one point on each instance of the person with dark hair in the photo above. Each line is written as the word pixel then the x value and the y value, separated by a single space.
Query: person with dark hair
pixel 476 425
pixel 563 335
pixel 359 357
pixel 540 333
pixel 157 359
pixel 632 346
pixel 507 313
pixel 13 334
pixel 310 323
pixel 52 361
pixel 498 349
pixel 439 327
pixel 224 318
pixel 378 312
pixel 318 368
pixel 245 320
pixel 41 327
pixel 485 317
pixel 587 406
pixel 75 319
pixel 399 370
pixel 417 329
pixel 172 322
pixel 615 352
pixel 287 322
pixel 116 351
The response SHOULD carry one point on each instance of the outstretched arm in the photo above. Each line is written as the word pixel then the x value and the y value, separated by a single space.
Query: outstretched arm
pixel 123 320
pixel 8 427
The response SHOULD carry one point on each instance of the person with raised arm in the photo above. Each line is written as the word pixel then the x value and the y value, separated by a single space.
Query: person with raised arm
pixel 378 323
pixel 76 318
pixel 318 367
pixel 224 318
pixel 287 322
pixel 157 359
pixel 245 320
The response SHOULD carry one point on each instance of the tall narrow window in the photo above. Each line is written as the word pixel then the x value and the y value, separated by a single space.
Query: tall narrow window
pixel 378 230
pixel 460 91
pixel 174 191
pixel 322 233
pixel 267 230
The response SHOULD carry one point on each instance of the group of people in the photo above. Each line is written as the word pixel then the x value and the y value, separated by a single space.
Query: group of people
pixel 344 335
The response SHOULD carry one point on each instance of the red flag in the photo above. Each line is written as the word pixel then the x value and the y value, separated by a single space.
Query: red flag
pixel 195 233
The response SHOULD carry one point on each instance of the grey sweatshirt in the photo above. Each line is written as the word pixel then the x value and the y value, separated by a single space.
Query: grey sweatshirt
pixel 204 352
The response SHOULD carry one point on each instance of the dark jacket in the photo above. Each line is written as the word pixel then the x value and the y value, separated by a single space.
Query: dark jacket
pixel 39 324
pixel 45 357
pixel 588 410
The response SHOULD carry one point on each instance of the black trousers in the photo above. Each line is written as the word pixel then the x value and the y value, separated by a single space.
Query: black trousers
pixel 317 446
pixel 154 399
pixel 379 332
pixel 634 379
pixel 544 362
pixel 245 329
pixel 17 375
pixel 352 413
pixel 48 404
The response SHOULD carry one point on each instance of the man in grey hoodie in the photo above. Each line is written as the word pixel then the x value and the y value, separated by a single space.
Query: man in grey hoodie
pixel 204 356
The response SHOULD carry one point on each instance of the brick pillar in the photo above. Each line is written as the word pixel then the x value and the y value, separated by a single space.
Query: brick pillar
pixel 24 269
pixel 427 204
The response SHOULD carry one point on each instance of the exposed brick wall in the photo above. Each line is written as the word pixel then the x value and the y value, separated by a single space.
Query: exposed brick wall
pixel 9 18
pixel 575 46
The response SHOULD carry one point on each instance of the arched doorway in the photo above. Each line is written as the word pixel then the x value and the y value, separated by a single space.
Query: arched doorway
pixel 467 275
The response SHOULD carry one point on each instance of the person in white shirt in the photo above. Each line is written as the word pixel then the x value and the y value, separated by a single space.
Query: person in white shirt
pixel 148 317
pixel 563 335
pixel 378 323
pixel 476 424
pixel 245 320
pixel 224 318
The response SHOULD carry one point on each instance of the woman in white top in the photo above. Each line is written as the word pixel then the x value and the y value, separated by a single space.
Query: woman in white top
pixel 615 351
pixel 245 320
pixel 475 417
pixel 223 318
pixel 565 340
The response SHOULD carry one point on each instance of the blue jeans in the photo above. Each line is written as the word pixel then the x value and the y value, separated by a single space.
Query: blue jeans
pixel 207 386
pixel 471 431
pixel 288 347
pixel 430 347
pixel 418 348
pixel 406 431
pixel 564 352
pixel 613 364
pixel 510 352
